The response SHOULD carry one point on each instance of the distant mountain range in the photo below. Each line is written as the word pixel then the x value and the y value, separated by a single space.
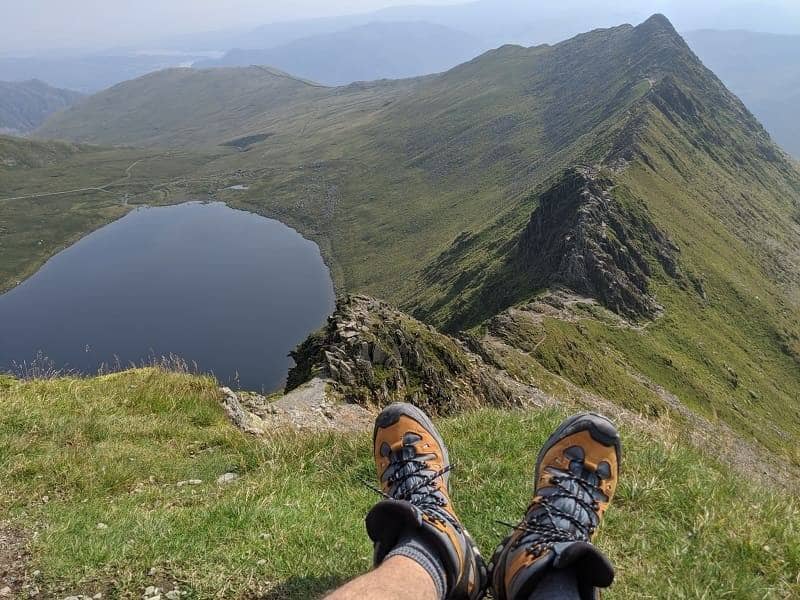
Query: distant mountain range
pixel 381 50
pixel 496 22
pixel 87 74
pixel 25 105
pixel 491 22
pixel 763 70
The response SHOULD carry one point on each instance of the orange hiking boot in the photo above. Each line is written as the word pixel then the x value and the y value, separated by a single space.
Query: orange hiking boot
pixel 413 470
pixel 576 475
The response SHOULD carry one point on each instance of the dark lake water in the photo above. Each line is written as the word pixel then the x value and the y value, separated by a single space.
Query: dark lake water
pixel 230 291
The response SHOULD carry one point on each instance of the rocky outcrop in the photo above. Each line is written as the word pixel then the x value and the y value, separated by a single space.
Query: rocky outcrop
pixel 373 355
pixel 308 407
pixel 581 237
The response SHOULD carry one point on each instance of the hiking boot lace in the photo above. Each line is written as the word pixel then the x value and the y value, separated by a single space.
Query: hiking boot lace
pixel 541 526
pixel 411 479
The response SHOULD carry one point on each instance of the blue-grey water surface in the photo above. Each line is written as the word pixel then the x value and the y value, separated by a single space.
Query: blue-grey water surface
pixel 230 291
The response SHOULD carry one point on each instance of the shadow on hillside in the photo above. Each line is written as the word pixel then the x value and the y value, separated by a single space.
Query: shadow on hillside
pixel 303 588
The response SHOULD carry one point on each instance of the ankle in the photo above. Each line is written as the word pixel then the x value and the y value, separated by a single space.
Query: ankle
pixel 412 547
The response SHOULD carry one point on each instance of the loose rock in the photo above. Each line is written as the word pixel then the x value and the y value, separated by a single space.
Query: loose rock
pixel 226 478
pixel 189 482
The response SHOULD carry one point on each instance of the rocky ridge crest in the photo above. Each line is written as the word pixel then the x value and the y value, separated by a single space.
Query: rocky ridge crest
pixel 582 238
pixel 372 355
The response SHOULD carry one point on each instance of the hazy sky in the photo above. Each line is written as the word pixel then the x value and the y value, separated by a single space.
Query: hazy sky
pixel 27 25
pixel 32 24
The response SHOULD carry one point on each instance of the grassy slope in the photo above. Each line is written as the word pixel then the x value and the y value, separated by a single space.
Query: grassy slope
pixel 734 354
pixel 388 174
pixel 111 450
pixel 28 167
pixel 392 190
pixel 181 107
pixel 385 176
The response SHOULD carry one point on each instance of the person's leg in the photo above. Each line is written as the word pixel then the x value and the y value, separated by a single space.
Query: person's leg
pixel 549 555
pixel 397 578
pixel 421 548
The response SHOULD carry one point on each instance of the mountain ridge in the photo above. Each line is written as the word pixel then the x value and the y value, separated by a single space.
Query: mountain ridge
pixel 420 192
pixel 595 225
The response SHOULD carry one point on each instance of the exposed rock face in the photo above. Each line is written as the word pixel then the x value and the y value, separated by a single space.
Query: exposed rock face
pixel 581 238
pixel 375 355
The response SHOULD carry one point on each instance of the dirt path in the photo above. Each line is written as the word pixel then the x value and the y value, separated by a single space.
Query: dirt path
pixel 88 189
pixel 103 188
pixel 14 560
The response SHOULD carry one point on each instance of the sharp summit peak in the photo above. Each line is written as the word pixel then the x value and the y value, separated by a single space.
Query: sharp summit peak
pixel 658 21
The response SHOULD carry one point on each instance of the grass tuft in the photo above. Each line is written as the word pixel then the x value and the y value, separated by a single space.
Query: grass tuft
pixel 113 449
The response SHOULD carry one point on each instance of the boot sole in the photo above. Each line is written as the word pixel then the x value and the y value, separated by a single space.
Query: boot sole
pixel 600 428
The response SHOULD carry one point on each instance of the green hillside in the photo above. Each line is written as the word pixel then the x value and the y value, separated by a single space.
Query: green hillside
pixel 600 222
pixel 24 105
pixel 99 468
pixel 189 107
pixel 425 192
pixel 20 153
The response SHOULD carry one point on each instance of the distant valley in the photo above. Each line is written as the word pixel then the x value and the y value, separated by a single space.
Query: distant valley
pixel 762 69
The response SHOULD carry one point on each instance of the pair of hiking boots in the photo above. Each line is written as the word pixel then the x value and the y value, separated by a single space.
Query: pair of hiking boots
pixel 575 478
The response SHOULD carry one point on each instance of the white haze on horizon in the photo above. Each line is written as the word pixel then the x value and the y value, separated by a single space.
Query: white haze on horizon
pixel 35 25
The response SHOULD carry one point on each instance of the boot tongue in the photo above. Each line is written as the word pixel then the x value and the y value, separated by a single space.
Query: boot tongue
pixel 559 507
pixel 413 484
pixel 567 502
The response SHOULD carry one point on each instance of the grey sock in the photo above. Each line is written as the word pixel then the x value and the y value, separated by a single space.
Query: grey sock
pixel 411 546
